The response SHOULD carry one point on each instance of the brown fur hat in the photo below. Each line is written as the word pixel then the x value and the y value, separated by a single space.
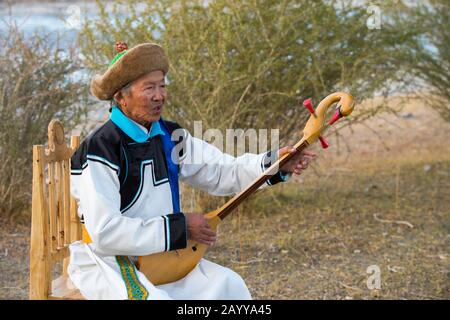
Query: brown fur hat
pixel 128 66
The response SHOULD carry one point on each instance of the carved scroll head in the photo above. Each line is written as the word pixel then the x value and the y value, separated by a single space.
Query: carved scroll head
pixel 57 149
pixel 56 139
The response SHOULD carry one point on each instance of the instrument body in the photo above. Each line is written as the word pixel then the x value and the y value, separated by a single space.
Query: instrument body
pixel 166 267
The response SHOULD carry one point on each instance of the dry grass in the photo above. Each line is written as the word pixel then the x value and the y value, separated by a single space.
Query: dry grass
pixel 14 259
pixel 316 240
pixel 385 203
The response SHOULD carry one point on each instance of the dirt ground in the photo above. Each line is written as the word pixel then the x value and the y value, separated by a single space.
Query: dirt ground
pixel 379 201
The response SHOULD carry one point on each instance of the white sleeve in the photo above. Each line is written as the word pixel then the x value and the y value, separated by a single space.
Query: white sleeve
pixel 96 187
pixel 206 167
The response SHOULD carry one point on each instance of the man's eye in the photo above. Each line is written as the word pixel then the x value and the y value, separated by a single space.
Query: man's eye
pixel 163 86
pixel 151 88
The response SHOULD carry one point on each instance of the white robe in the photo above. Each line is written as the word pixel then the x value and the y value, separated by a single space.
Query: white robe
pixel 93 267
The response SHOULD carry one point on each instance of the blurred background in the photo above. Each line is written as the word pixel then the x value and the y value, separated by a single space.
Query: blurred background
pixel 377 199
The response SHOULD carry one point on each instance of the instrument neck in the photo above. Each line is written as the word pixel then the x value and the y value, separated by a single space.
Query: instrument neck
pixel 228 207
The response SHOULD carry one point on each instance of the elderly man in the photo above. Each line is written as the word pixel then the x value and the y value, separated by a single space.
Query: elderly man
pixel 126 184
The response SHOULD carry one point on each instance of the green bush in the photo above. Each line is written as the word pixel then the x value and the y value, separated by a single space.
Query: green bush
pixel 37 84
pixel 240 64
pixel 248 64
pixel 432 58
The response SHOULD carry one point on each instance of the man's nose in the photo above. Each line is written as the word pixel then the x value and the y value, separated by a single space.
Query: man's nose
pixel 157 96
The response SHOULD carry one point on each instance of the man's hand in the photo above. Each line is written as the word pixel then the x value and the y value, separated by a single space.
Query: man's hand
pixel 298 162
pixel 199 229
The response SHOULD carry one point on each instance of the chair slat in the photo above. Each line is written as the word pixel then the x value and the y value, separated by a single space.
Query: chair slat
pixel 52 206
pixel 66 184
pixel 60 255
pixel 59 184
pixel 76 231
pixel 40 260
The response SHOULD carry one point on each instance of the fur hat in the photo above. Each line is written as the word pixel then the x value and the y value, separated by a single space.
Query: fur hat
pixel 127 66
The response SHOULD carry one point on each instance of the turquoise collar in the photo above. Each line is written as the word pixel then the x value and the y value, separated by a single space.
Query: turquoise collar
pixel 132 129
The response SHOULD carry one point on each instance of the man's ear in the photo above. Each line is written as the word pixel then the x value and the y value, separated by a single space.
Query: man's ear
pixel 118 97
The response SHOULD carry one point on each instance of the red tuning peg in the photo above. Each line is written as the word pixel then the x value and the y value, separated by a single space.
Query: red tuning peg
pixel 323 142
pixel 336 116
pixel 307 104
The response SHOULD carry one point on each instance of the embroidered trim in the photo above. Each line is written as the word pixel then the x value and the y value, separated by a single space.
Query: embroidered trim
pixel 135 289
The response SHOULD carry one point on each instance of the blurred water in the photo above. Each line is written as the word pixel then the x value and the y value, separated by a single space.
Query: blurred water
pixel 54 18
pixel 31 17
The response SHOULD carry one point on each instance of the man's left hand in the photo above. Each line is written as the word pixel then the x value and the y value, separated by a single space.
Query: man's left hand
pixel 298 162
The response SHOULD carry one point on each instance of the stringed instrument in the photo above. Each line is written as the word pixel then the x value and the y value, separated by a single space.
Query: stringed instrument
pixel 166 267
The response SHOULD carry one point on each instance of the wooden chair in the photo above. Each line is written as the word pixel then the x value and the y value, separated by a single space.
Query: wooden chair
pixel 54 222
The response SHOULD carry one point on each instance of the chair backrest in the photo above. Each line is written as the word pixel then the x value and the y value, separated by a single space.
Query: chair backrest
pixel 54 221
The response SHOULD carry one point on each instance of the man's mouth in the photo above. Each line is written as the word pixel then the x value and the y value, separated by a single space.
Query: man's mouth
pixel 156 109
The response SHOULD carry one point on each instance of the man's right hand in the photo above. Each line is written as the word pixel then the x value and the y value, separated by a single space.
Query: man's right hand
pixel 199 229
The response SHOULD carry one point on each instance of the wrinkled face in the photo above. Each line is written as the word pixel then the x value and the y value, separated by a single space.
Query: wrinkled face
pixel 144 99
